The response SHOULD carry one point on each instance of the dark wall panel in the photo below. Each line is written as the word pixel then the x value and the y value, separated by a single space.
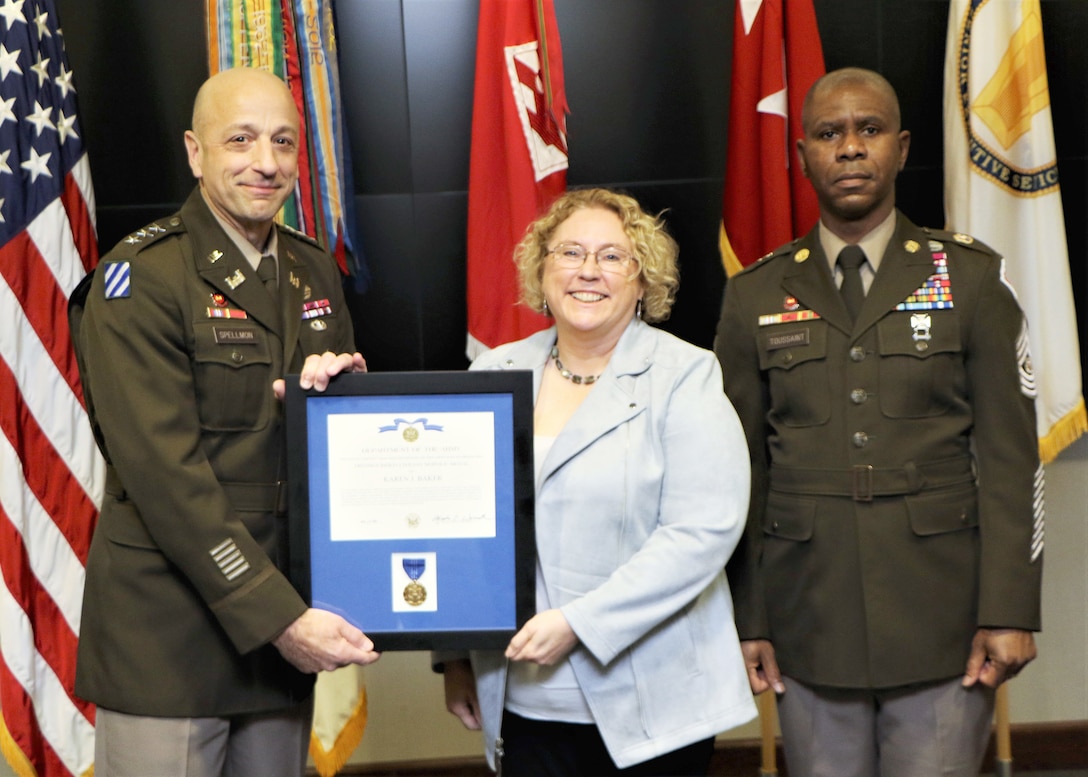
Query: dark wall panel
pixel 137 67
pixel 440 42
pixel 375 94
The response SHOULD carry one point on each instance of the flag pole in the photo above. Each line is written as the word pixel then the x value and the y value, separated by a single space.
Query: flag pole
pixel 1003 759
pixel 767 719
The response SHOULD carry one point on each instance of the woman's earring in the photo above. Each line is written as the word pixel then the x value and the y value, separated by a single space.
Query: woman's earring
pixel 545 311
pixel 638 309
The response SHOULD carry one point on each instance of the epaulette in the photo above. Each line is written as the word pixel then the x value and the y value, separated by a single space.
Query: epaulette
pixel 137 241
pixel 960 239
pixel 300 235
pixel 783 250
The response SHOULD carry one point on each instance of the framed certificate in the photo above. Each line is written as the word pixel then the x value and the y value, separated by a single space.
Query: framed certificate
pixel 411 504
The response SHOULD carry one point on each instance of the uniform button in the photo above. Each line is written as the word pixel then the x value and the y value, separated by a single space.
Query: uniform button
pixel 857 353
pixel 921 345
pixel 774 525
pixel 861 439
pixel 858 396
pixel 787 357
pixel 237 358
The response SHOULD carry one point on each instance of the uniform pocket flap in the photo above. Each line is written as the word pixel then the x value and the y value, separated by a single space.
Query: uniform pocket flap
pixel 940 513
pixel 919 333
pixel 789 517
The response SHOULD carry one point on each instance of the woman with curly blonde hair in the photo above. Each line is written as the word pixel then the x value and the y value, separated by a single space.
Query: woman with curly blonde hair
pixel 631 664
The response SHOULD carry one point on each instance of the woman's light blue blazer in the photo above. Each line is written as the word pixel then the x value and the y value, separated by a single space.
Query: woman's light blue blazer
pixel 639 504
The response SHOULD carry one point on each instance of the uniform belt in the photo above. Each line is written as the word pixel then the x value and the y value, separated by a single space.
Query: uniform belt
pixel 862 482
pixel 244 497
pixel 257 497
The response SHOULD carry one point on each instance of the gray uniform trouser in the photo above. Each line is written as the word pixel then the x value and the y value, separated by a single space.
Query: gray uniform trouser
pixel 267 744
pixel 932 730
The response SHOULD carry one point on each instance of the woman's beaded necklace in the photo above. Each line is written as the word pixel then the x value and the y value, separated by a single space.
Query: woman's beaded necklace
pixel 583 380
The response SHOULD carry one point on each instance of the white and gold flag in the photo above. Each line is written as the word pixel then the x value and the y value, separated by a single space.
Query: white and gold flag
pixel 1001 186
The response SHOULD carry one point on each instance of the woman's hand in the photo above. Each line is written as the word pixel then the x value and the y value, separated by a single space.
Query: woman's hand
pixel 546 639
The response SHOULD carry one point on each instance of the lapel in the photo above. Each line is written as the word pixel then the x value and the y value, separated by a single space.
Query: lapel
pixel 222 265
pixel 810 282
pixel 294 290
pixel 901 272
pixel 618 396
pixel 905 266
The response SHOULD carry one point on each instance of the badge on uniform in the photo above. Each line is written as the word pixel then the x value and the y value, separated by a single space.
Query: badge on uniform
pixel 118 280
pixel 920 324
pixel 235 280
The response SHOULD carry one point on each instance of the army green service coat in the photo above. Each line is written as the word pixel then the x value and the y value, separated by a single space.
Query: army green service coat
pixel 897 490
pixel 179 344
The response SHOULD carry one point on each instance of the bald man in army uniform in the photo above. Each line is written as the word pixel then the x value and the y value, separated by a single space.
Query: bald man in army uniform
pixel 194 645
pixel 890 575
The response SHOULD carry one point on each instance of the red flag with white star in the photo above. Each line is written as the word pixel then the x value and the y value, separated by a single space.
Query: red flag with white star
pixel 777 56
pixel 518 162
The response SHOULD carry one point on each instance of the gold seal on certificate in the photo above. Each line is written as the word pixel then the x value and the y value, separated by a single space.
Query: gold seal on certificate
pixel 410 434
pixel 415 594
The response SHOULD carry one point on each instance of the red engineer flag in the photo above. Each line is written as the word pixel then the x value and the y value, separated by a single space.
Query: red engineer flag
pixel 518 162
pixel 776 58
pixel 51 474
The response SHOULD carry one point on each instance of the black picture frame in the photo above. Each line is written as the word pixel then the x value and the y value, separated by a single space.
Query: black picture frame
pixel 362 501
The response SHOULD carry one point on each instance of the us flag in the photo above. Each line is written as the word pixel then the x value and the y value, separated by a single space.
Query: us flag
pixel 51 474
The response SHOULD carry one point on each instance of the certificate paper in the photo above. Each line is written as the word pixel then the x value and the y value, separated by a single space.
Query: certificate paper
pixel 395 478
pixel 411 505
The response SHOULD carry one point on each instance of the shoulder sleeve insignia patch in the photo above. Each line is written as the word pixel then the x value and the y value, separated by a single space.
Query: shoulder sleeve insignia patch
pixel 117 280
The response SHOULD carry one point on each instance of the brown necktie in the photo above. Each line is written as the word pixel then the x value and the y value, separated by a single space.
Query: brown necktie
pixel 853 292
pixel 266 271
